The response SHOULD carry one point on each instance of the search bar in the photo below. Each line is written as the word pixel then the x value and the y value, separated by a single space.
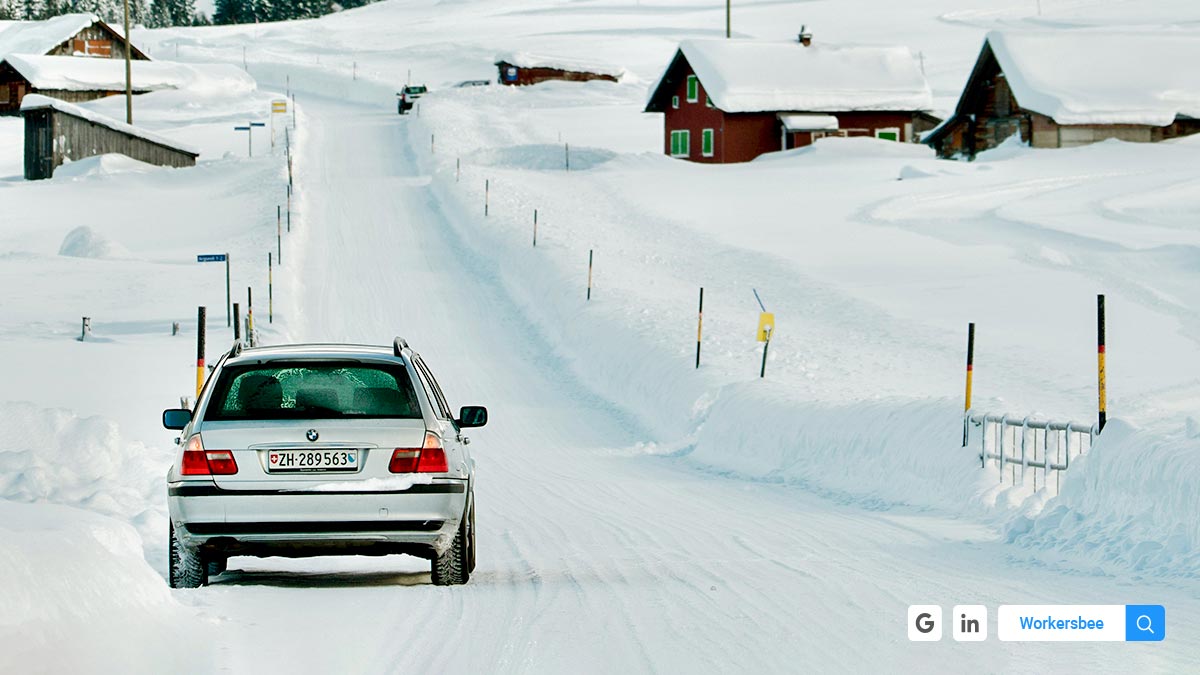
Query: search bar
pixel 1081 623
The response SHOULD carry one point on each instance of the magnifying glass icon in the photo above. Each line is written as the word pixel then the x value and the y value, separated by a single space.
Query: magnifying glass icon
pixel 1143 623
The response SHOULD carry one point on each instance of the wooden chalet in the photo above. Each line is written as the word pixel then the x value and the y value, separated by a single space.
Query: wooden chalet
pixel 526 69
pixel 66 36
pixel 57 132
pixel 732 100
pixel 1066 88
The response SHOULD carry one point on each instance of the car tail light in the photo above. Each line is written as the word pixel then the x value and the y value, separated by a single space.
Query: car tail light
pixel 221 462
pixel 200 462
pixel 429 458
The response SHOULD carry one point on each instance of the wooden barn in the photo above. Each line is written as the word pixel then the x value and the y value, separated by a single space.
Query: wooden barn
pixel 82 36
pixel 1064 89
pixel 57 132
pixel 525 69
pixel 67 35
pixel 732 100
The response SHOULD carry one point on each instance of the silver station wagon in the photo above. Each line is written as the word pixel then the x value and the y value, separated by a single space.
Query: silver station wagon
pixel 311 450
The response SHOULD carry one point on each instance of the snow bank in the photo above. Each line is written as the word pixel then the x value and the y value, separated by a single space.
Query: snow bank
pixel 56 456
pixel 102 165
pixel 84 242
pixel 1130 503
pixel 877 453
pixel 78 597
pixel 542 157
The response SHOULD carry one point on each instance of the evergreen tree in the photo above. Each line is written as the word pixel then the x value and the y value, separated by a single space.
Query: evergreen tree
pixel 160 16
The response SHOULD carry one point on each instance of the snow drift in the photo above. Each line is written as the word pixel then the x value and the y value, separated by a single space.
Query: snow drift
pixel 78 597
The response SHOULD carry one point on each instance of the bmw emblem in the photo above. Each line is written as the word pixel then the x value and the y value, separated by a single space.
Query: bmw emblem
pixel 312 435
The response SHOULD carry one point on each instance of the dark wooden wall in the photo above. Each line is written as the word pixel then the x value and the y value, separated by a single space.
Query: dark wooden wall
pixel 527 76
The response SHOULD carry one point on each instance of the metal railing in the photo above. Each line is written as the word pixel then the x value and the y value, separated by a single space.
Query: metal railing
pixel 1014 441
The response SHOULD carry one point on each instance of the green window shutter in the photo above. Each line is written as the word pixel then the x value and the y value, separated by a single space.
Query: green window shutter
pixel 674 143
pixel 685 143
pixel 706 143
pixel 693 89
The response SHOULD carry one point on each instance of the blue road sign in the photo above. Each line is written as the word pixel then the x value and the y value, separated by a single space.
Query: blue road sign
pixel 211 257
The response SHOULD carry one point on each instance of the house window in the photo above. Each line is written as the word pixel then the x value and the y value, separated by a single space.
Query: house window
pixel 693 89
pixel 674 101
pixel 708 101
pixel 681 143
pixel 888 134
pixel 706 142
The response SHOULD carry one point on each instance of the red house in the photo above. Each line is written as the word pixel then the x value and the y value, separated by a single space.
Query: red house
pixel 732 100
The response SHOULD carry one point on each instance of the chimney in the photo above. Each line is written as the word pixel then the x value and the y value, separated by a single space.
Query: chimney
pixel 805 37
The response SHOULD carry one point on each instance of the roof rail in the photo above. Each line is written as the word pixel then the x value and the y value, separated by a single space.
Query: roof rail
pixel 237 348
pixel 398 345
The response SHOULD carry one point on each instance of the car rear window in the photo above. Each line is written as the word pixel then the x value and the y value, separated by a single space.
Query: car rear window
pixel 281 390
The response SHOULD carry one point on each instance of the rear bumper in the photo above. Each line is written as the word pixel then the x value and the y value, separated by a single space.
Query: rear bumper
pixel 420 520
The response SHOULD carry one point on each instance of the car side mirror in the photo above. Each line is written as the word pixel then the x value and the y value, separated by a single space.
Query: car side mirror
pixel 472 416
pixel 178 418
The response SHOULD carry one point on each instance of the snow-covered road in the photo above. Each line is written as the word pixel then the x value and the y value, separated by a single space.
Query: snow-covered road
pixel 594 554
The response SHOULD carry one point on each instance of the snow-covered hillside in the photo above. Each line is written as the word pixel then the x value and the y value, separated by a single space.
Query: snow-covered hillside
pixel 635 513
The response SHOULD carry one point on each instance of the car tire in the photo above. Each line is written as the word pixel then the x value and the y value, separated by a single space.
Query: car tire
pixel 471 538
pixel 187 570
pixel 452 568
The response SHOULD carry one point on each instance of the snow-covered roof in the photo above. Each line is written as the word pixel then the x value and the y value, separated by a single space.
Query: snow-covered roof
pixel 39 37
pixel 527 60
pixel 1102 77
pixel 765 76
pixel 75 74
pixel 803 122
pixel 39 102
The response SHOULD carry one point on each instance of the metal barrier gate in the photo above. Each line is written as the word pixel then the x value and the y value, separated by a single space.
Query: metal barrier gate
pixel 1060 441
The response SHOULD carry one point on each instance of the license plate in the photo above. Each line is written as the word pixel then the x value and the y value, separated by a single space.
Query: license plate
pixel 291 461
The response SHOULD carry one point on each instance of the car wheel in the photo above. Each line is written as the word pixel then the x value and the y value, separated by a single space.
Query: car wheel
pixel 187 570
pixel 471 538
pixel 452 568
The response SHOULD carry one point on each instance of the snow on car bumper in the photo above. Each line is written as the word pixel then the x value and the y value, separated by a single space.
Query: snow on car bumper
pixel 426 515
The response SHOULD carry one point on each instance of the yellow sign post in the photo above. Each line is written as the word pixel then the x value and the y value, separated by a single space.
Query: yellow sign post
pixel 278 106
pixel 766 325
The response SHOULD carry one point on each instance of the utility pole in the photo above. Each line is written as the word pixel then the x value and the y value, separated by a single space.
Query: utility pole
pixel 128 71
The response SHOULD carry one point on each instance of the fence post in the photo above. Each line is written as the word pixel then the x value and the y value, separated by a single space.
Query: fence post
pixel 85 329
pixel 535 228
pixel 237 322
pixel 457 168
pixel 589 288
pixel 200 316
pixel 1024 455
pixel 699 325
pixel 279 231
pixel 1100 359
pixel 567 147
pixel 766 345
pixel 270 290
pixel 250 316
pixel 970 369
pixel 1000 454
pixel 487 189
pixel 228 295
